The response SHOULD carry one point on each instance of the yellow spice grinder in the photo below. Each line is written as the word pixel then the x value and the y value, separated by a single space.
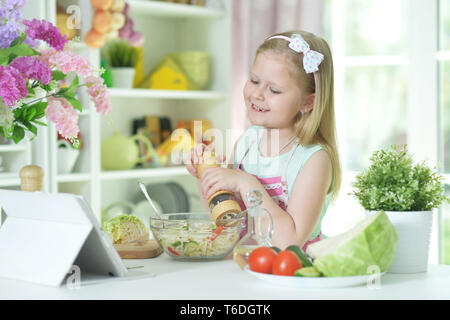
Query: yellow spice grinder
pixel 223 204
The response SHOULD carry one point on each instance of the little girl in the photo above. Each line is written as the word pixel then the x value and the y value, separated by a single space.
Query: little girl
pixel 290 152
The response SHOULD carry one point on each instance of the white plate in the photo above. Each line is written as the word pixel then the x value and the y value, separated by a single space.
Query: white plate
pixel 316 282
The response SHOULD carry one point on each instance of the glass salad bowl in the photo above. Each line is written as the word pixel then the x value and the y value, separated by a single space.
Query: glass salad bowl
pixel 194 236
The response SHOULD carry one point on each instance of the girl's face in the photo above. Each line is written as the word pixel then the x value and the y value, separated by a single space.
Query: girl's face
pixel 272 95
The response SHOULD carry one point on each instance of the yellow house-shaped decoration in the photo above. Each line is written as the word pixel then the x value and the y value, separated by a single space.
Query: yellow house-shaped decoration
pixel 168 79
pixel 139 68
pixel 168 75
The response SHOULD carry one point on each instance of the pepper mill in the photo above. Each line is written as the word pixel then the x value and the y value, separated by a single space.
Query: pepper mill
pixel 31 178
pixel 223 204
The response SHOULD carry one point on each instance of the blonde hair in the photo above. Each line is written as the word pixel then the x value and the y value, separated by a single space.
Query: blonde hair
pixel 317 126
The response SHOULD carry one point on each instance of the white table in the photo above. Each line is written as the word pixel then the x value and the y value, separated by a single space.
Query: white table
pixel 166 279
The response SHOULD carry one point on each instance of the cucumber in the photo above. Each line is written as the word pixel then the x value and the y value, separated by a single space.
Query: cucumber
pixel 277 250
pixel 301 255
pixel 307 272
pixel 190 246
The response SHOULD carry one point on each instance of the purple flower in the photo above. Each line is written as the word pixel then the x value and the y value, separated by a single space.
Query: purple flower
pixel 31 42
pixel 10 9
pixel 32 68
pixel 126 9
pixel 127 29
pixel 136 39
pixel 10 15
pixel 44 30
pixel 8 32
pixel 12 85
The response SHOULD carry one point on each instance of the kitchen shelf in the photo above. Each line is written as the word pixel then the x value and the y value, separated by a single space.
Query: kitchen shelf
pixel 9 179
pixel 166 94
pixel 144 173
pixel 74 177
pixel 172 10
pixel 12 148
pixel 168 27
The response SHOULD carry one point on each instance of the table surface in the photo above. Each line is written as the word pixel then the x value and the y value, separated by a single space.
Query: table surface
pixel 164 278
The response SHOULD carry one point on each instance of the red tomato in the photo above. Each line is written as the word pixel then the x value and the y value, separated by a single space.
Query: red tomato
pixel 261 259
pixel 286 263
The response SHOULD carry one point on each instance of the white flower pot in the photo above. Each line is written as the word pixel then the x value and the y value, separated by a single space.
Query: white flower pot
pixel 67 156
pixel 414 233
pixel 123 77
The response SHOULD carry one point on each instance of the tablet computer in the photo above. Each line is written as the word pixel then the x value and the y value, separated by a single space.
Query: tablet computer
pixel 48 237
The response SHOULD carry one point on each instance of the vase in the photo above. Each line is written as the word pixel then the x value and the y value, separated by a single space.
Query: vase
pixel 414 234
pixel 123 77
pixel 67 156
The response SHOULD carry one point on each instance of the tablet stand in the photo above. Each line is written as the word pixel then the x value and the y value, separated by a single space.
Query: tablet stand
pixel 45 234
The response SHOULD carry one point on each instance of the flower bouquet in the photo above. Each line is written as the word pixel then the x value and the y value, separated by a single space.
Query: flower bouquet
pixel 34 60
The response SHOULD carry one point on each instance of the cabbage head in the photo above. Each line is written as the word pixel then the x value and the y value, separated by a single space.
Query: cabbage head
pixel 126 229
pixel 372 242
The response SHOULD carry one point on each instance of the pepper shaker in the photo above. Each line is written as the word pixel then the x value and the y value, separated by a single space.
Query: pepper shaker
pixel 223 204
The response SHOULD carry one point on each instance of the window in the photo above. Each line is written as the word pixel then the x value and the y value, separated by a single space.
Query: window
pixel 392 80
pixel 444 99
pixel 369 45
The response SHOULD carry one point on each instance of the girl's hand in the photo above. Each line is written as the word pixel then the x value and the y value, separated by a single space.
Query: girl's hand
pixel 216 179
pixel 195 157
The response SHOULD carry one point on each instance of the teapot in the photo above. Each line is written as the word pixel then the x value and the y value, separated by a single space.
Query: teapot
pixel 119 152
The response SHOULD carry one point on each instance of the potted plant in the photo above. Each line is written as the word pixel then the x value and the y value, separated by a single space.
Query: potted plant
pixel 408 193
pixel 122 58
pixel 68 153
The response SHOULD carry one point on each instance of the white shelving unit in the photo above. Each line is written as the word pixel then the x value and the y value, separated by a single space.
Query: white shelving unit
pixel 143 173
pixel 9 179
pixel 12 147
pixel 166 94
pixel 84 177
pixel 15 157
pixel 171 27
pixel 168 27
pixel 173 10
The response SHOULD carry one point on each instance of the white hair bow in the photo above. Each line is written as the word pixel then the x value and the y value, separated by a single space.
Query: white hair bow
pixel 311 59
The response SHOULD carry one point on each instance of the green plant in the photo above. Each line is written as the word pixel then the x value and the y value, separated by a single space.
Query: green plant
pixel 393 183
pixel 120 53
